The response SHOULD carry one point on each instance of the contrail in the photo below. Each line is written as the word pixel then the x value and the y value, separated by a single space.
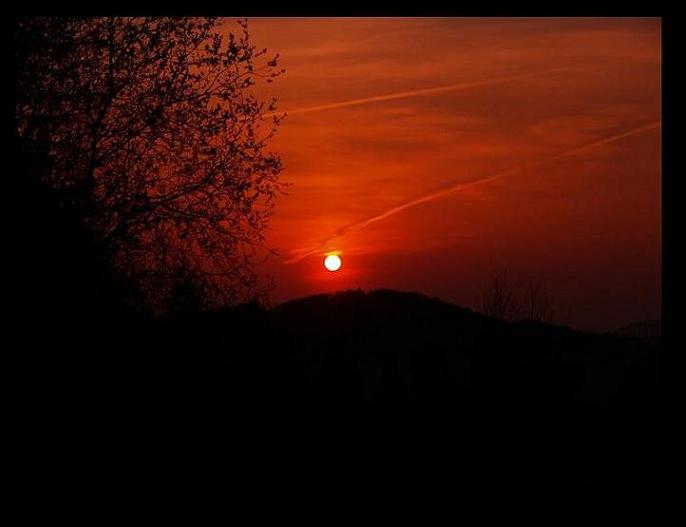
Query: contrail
pixel 300 254
pixel 416 93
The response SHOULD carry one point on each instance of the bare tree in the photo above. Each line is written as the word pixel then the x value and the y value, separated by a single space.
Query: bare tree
pixel 152 129
pixel 537 304
pixel 497 295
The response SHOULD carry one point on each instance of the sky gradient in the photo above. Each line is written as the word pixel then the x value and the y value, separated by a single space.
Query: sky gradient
pixel 430 152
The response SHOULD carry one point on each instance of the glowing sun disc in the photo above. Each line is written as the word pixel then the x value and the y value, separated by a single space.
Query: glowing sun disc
pixel 332 263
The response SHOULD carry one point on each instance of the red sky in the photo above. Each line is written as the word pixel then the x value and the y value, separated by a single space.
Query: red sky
pixel 392 121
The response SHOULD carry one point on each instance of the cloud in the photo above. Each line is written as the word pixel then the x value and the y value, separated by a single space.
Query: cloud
pixel 301 253
pixel 419 93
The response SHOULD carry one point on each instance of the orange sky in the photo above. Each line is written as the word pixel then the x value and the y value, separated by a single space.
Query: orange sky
pixel 440 149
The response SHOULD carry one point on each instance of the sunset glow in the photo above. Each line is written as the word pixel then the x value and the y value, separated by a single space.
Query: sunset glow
pixel 435 150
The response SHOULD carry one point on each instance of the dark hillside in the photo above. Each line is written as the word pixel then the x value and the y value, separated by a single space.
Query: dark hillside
pixel 398 387
pixel 402 386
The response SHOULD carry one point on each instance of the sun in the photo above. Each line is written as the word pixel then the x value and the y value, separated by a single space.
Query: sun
pixel 332 262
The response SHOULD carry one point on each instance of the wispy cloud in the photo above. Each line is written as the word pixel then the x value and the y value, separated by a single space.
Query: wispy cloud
pixel 420 93
pixel 301 253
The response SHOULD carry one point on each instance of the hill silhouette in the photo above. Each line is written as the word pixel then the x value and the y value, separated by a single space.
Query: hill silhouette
pixel 395 386
pixel 476 394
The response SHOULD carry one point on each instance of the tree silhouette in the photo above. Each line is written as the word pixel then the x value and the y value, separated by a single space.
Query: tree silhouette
pixel 501 298
pixel 537 304
pixel 497 295
pixel 150 129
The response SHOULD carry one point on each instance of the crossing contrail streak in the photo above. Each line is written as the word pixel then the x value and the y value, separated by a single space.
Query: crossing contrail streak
pixel 417 93
pixel 299 254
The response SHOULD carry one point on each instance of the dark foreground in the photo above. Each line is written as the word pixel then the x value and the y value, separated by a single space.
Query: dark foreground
pixel 393 389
